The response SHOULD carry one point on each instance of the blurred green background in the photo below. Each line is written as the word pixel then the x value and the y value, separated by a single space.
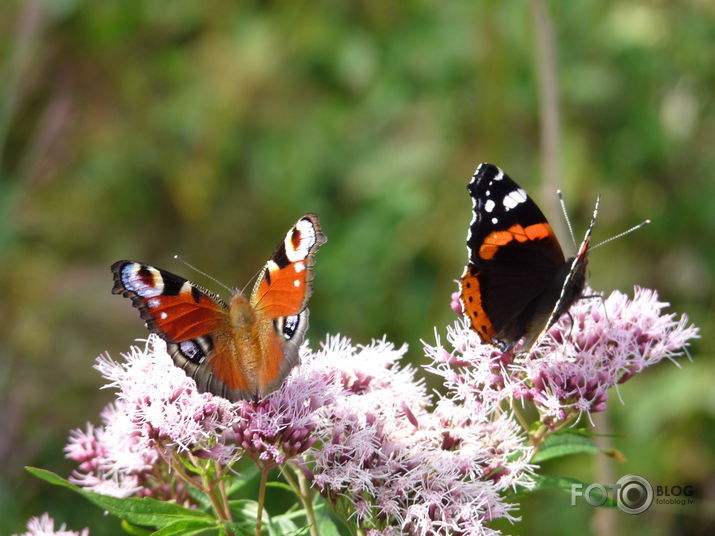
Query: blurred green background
pixel 140 129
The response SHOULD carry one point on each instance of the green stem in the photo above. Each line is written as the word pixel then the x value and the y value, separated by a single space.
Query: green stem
pixel 221 509
pixel 209 489
pixel 538 438
pixel 178 469
pixel 222 490
pixel 520 417
pixel 307 498
pixel 302 490
pixel 261 499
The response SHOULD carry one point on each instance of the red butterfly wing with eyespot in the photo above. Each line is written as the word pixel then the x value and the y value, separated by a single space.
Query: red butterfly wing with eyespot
pixel 286 282
pixel 194 323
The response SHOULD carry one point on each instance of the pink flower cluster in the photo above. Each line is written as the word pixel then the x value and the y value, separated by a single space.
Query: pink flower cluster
pixel 157 405
pixel 44 525
pixel 363 429
pixel 280 427
pixel 403 466
pixel 603 343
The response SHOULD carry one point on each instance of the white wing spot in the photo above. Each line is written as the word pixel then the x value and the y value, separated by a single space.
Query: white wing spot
pixel 186 287
pixel 495 221
pixel 489 205
pixel 272 266
pixel 153 302
pixel 296 283
pixel 299 266
pixel 163 315
pixel 514 198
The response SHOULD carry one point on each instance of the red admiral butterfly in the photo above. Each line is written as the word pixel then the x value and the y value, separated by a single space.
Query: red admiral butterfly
pixel 236 351
pixel 517 283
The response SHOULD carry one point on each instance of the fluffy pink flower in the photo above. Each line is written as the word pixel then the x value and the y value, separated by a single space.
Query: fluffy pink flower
pixel 601 344
pixel 281 426
pixel 404 466
pixel 610 341
pixel 364 430
pixel 456 303
pixel 113 458
pixel 157 406
pixel 44 525
pixel 161 401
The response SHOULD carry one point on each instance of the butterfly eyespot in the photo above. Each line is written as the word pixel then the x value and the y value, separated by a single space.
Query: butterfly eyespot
pixel 295 238
pixel 144 280
pixel 192 352
pixel 289 326
pixel 300 240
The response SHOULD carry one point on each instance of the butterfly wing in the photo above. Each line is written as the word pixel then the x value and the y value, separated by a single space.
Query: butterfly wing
pixel 280 297
pixel 286 282
pixel 514 259
pixel 194 322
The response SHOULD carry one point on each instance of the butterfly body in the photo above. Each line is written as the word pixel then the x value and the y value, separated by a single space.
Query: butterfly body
pixel 517 282
pixel 238 350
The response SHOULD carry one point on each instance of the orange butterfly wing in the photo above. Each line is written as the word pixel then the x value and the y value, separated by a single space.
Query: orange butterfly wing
pixel 280 297
pixel 194 323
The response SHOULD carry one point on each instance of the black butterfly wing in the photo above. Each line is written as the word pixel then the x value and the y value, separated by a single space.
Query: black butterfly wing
pixel 515 261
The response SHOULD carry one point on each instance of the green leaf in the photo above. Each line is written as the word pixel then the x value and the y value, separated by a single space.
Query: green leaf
pixel 280 485
pixel 200 497
pixel 248 475
pixel 326 525
pixel 293 512
pixel 282 526
pixel 564 444
pixel 187 526
pixel 189 466
pixel 563 484
pixel 244 508
pixel 134 530
pixel 240 528
pixel 146 512
pixel 555 483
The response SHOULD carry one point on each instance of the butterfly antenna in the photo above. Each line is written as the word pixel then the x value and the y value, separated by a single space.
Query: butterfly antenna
pixel 252 279
pixel 195 269
pixel 624 233
pixel 566 216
